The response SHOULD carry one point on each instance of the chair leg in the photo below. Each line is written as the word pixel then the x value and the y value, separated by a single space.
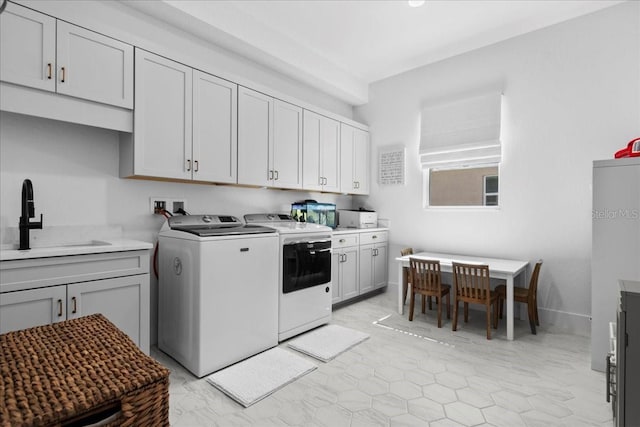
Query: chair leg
pixel 466 312
pixel 500 307
pixel 411 304
pixel 454 324
pixel 535 307
pixel 448 306
pixel 405 286
pixel 423 302
pixel 430 306
pixel 495 314
pixel 532 318
pixel 488 310
pixel 440 311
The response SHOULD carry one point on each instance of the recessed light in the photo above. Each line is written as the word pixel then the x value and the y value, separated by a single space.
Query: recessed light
pixel 415 3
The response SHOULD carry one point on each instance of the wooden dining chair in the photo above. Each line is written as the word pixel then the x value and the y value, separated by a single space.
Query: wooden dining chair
pixel 524 295
pixel 472 285
pixel 426 280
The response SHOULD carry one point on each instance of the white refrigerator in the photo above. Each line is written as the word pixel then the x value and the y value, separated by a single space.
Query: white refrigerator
pixel 615 252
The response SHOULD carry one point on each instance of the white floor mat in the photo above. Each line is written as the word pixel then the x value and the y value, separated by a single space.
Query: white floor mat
pixel 253 379
pixel 327 342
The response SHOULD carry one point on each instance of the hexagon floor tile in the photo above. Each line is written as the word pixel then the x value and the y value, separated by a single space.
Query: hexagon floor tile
pixel 413 374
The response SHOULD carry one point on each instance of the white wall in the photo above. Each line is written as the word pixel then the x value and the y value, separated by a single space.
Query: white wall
pixel 571 96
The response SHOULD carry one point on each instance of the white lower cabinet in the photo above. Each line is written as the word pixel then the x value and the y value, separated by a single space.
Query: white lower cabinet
pixel 344 273
pixel 33 307
pixel 373 266
pixel 42 291
pixel 359 263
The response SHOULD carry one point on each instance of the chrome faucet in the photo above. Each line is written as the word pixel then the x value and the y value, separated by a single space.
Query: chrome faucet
pixel 28 211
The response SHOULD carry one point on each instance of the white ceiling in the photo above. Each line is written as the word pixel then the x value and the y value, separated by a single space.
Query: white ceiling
pixel 341 46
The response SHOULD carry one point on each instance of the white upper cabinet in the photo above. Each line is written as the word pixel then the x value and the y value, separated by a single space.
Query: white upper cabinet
pixel 287 145
pixel 162 120
pixel 269 141
pixel 355 160
pixel 70 60
pixel 255 134
pixel 215 129
pixel 321 153
pixel 185 124
pixel 95 67
pixel 27 48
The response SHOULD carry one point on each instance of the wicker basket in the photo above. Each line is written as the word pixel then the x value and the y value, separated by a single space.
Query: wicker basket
pixel 79 372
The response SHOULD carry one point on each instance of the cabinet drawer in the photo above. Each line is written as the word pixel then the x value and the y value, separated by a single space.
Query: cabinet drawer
pixel 17 275
pixel 343 240
pixel 373 237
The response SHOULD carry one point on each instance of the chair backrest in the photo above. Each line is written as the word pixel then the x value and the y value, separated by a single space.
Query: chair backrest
pixel 406 251
pixel 533 282
pixel 425 274
pixel 471 281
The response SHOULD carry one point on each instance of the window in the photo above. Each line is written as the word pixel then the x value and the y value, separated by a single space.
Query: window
pixel 474 186
pixel 491 190
pixel 460 151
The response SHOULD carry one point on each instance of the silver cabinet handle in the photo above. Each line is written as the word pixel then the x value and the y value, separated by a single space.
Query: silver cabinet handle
pixel 277 176
pixel 320 180
pixel 74 304
pixel 188 165
pixel 196 163
pixel 59 308
pixel 342 240
pixel 374 236
pixel 63 74
pixel 49 70
pixel 270 176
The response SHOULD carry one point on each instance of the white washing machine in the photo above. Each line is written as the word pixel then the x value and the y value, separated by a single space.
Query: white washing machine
pixel 304 273
pixel 218 291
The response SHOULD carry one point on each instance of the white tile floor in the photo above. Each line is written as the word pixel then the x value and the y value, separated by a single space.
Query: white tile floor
pixel 414 374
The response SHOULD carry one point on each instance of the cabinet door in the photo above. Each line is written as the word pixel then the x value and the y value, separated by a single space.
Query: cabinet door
pixel 255 133
pixel 361 162
pixel 124 301
pixel 162 120
pixel 215 137
pixel 287 145
pixel 94 67
pixel 330 154
pixel 350 273
pixel 347 183
pixel 380 266
pixel 27 48
pixel 33 307
pixel 366 268
pixel 312 177
pixel 336 279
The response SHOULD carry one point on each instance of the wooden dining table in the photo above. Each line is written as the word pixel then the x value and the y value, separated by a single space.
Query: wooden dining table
pixel 505 269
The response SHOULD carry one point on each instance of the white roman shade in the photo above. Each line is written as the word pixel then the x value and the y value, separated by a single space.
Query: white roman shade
pixel 461 133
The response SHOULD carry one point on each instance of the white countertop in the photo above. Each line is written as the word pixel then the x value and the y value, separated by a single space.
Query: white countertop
pixel 79 248
pixel 358 230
